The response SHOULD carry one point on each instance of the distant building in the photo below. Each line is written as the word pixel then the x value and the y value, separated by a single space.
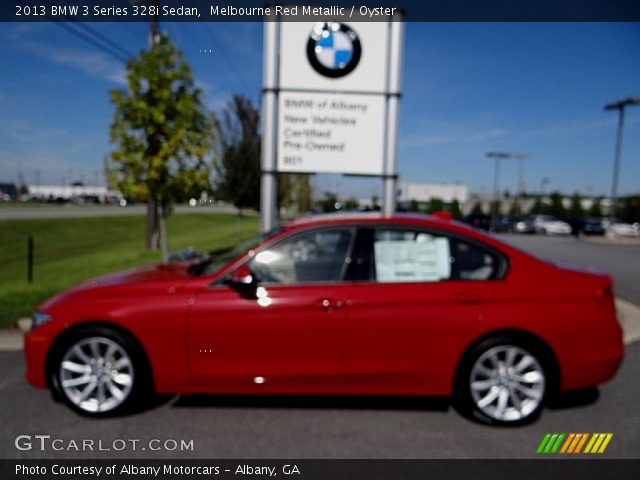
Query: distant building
pixel 424 192
pixel 72 192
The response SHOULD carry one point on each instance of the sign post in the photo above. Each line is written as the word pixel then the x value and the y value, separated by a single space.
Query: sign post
pixel 330 103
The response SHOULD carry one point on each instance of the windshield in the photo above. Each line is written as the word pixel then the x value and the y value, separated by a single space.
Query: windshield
pixel 209 266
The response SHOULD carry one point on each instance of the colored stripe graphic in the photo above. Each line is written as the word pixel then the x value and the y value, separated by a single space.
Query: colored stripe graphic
pixel 598 442
pixel 550 443
pixel 573 443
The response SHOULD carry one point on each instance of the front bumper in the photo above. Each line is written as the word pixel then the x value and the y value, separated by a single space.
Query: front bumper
pixel 36 346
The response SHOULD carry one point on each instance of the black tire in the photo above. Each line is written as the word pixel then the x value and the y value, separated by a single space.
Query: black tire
pixel 132 379
pixel 470 405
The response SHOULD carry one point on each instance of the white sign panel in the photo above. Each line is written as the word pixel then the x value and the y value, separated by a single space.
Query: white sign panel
pixel 330 132
pixel 409 261
pixel 345 57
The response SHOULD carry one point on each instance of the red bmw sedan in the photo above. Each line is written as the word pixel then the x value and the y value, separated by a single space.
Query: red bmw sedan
pixel 352 304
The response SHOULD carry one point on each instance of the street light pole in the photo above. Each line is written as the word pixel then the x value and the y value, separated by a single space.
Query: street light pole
pixel 620 106
pixel 496 175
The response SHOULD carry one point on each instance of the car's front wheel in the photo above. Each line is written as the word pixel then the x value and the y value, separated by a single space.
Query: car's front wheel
pixel 100 372
pixel 502 382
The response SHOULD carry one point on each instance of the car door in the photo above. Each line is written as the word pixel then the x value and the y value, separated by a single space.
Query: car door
pixel 287 335
pixel 418 298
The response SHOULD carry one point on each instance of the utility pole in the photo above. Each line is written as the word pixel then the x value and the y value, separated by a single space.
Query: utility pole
pixel 496 179
pixel 496 176
pixel 521 158
pixel 152 204
pixel 620 106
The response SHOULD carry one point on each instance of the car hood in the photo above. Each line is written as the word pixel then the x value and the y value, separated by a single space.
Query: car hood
pixel 147 277
pixel 148 273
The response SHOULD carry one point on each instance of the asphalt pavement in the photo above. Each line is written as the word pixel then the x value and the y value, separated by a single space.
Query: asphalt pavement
pixel 314 427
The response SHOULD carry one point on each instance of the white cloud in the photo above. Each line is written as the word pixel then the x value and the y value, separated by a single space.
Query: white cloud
pixel 95 64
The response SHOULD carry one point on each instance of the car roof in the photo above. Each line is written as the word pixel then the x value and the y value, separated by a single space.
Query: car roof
pixel 364 217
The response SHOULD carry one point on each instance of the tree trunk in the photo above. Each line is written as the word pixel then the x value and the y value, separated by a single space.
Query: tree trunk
pixel 164 240
pixel 152 224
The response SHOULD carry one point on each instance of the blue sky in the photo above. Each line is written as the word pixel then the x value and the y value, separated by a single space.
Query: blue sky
pixel 468 88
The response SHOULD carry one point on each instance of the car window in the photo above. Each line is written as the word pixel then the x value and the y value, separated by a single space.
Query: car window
pixel 472 262
pixel 416 256
pixel 317 256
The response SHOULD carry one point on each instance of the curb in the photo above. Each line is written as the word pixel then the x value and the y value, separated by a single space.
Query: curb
pixel 628 316
pixel 610 240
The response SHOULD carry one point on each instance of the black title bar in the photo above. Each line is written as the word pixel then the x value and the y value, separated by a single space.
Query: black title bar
pixel 378 10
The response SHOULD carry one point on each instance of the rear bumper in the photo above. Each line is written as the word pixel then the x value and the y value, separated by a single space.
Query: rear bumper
pixel 592 370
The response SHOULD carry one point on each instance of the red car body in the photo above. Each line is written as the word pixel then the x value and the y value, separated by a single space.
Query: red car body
pixel 350 337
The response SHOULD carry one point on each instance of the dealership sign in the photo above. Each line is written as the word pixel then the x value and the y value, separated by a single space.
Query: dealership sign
pixel 330 100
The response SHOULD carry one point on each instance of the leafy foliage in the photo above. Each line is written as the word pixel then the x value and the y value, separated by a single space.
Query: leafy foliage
pixel 162 134
pixel 238 172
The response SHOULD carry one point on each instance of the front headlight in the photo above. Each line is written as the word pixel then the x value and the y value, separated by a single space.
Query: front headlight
pixel 39 318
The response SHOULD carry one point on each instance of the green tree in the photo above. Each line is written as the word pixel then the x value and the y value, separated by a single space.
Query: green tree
pixel 329 202
pixel 538 207
pixel 496 207
pixel 162 135
pixel 596 209
pixel 455 210
pixel 629 211
pixel 575 209
pixel 351 204
pixel 477 209
pixel 414 206
pixel 238 171
pixel 295 192
pixel 435 205
pixel 515 209
pixel 556 208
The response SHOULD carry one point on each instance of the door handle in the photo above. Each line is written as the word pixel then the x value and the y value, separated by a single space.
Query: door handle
pixel 466 298
pixel 331 304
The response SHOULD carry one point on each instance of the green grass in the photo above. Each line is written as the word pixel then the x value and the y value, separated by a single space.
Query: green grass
pixel 68 251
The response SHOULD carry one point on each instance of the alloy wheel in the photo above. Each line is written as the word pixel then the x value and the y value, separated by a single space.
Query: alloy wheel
pixel 96 374
pixel 507 383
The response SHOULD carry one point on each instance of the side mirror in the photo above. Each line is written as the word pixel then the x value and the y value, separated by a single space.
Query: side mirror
pixel 243 281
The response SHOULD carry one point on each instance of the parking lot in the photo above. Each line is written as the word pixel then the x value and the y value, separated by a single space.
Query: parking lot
pixel 334 427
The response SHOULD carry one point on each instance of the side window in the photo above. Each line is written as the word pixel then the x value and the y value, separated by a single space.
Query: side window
pixel 317 256
pixel 472 262
pixel 410 256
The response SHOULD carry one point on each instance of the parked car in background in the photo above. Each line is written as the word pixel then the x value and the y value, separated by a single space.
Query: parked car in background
pixel 620 228
pixel 524 225
pixel 480 221
pixel 586 226
pixel 336 304
pixel 501 224
pixel 549 225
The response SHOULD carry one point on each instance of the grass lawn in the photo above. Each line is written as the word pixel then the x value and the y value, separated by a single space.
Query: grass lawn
pixel 73 249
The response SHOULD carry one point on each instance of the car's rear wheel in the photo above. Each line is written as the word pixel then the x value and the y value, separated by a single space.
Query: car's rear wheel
pixel 100 372
pixel 503 382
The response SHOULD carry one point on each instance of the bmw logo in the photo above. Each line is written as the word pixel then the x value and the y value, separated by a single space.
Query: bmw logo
pixel 333 49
